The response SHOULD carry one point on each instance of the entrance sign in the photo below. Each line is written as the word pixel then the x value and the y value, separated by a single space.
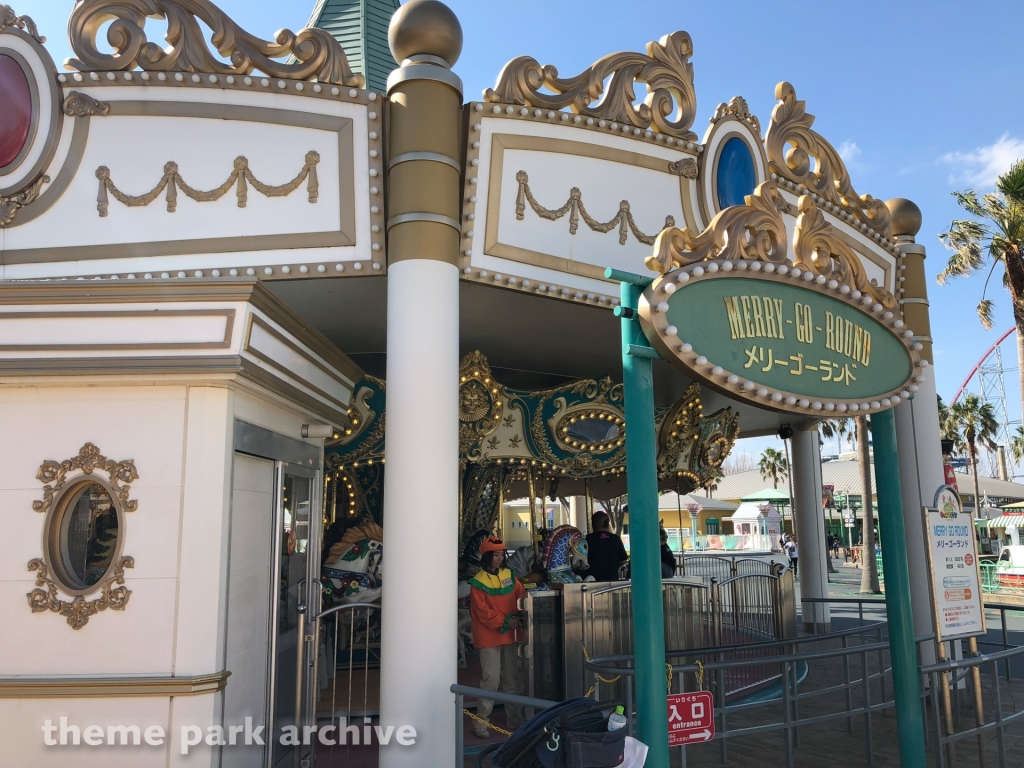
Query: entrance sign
pixel 691 718
pixel 780 340
pixel 953 560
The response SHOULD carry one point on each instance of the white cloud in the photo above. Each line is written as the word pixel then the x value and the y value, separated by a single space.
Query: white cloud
pixel 849 151
pixel 981 166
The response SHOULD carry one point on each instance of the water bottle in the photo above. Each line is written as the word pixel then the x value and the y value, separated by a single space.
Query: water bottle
pixel 617 719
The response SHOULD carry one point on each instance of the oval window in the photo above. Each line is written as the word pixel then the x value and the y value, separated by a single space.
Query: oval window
pixel 83 536
pixel 592 430
pixel 734 173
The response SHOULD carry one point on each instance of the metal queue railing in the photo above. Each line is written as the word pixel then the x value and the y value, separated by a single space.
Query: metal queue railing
pixel 344 642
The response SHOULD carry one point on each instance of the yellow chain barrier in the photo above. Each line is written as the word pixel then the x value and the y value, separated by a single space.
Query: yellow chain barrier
pixel 700 676
pixel 668 678
pixel 586 657
pixel 493 727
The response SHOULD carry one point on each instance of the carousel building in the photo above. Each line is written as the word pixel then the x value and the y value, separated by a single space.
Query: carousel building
pixel 252 288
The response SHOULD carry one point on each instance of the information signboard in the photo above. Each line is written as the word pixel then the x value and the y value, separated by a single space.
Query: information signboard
pixel 691 718
pixel 953 561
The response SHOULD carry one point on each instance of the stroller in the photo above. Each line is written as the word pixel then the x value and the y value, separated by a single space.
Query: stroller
pixel 573 734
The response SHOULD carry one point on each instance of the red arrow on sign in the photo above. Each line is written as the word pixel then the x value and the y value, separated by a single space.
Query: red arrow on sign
pixel 691 718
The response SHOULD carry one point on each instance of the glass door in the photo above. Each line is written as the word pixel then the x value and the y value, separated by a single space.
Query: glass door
pixel 297 556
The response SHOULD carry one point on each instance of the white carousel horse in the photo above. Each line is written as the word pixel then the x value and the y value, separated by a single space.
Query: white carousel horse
pixel 353 566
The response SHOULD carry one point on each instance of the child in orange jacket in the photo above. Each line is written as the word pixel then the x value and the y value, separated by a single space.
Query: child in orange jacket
pixel 494 602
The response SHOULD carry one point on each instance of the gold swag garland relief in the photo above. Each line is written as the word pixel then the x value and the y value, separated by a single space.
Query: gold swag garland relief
pixel 666 70
pixel 113 592
pixel 576 210
pixel 790 125
pixel 172 181
pixel 316 54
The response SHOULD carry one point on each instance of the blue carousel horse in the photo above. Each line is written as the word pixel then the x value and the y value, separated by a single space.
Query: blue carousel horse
pixel 565 549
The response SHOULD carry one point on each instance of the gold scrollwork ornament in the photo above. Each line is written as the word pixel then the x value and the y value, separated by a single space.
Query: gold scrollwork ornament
pixel 816 249
pixel 670 105
pixel 89 459
pixel 314 53
pixel 790 126
pixel 754 231
pixel 113 594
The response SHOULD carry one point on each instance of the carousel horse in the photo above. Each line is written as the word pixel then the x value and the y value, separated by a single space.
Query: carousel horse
pixel 353 565
pixel 565 549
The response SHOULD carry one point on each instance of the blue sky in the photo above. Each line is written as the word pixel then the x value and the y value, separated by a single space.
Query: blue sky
pixel 920 97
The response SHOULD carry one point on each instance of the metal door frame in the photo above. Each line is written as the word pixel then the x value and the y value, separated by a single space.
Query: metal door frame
pixel 303 460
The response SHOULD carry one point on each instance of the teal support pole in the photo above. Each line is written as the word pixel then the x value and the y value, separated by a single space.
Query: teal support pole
pixel 903 649
pixel 644 542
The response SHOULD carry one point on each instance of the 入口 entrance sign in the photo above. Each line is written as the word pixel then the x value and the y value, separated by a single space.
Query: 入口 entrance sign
pixel 774 336
pixel 953 560
pixel 691 718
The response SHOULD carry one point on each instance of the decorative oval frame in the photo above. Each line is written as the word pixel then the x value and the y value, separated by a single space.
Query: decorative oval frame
pixel 558 424
pixel 60 480
pixel 47 112
pixel 729 122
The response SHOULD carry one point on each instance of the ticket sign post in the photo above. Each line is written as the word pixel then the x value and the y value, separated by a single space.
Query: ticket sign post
pixel 953 562
pixel 691 718
pixel 956 590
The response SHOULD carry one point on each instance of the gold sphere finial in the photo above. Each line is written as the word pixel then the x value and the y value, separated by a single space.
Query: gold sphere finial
pixel 425 27
pixel 906 216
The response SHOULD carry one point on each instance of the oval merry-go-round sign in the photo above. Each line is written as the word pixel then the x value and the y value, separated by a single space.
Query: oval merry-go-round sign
pixel 781 340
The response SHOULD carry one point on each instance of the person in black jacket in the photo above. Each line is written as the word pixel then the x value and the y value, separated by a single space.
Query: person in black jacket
pixel 605 552
pixel 668 557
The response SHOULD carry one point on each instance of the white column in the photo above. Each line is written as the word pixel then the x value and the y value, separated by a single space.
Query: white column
pixel 578 513
pixel 809 525
pixel 421 502
pixel 920 452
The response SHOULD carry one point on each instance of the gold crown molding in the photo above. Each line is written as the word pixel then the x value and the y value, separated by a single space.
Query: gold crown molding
pixel 172 181
pixel 818 250
pixel 666 70
pixel 316 54
pixel 78 104
pixel 791 125
pixel 755 231
pixel 11 20
pixel 113 594
pixel 738 108
pixel 9 206
pixel 575 208
pixel 67 687
pixel 88 460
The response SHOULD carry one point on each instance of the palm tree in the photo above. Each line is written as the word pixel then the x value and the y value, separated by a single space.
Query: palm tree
pixel 1017 444
pixel 838 428
pixel 773 465
pixel 869 563
pixel 970 423
pixel 994 236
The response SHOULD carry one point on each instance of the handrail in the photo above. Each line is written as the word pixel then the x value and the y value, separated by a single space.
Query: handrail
pixel 972 661
pixel 594 665
pixel 504 698
pixel 343 606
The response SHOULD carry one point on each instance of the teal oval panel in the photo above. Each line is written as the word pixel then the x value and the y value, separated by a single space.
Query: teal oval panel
pixel 789 338
pixel 734 173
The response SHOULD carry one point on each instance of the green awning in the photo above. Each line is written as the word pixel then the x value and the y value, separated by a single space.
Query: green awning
pixel 1005 521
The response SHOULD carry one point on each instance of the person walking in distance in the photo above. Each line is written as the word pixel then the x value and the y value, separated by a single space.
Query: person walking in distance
pixel 794 556
pixel 493 604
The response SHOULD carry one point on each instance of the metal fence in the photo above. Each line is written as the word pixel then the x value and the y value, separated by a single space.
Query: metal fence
pixel 862 689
